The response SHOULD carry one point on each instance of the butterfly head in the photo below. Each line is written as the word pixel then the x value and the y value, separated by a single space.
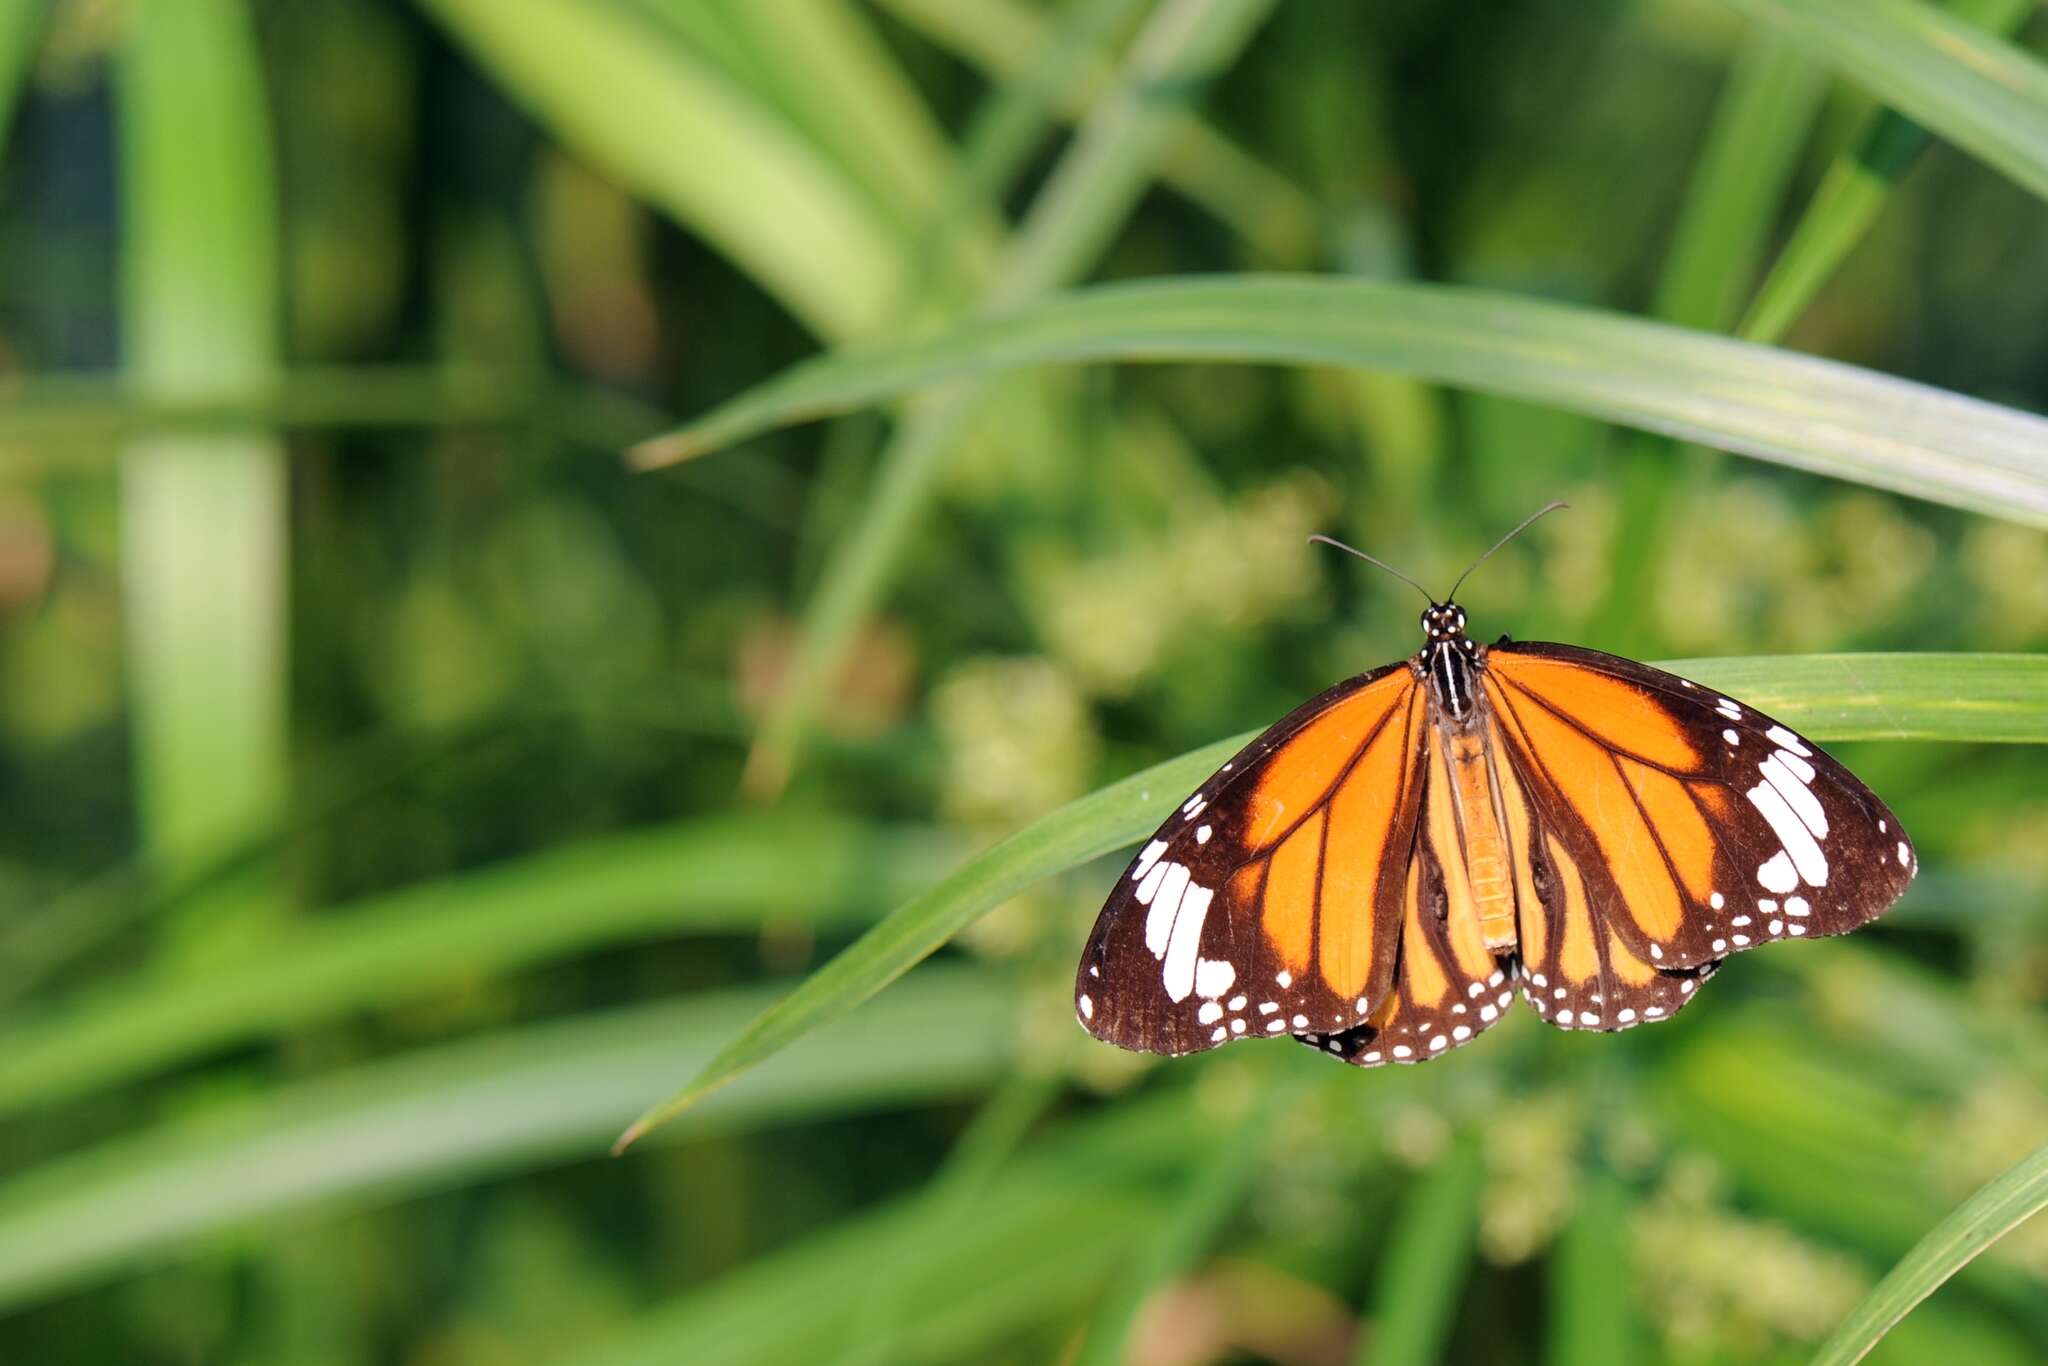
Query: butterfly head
pixel 1443 621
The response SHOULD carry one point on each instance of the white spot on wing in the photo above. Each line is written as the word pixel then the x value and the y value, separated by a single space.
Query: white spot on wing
pixel 1210 1013
pixel 1165 903
pixel 1905 854
pixel 1715 901
pixel 1146 859
pixel 1087 1009
pixel 1796 795
pixel 1187 941
pixel 1785 739
pixel 1213 977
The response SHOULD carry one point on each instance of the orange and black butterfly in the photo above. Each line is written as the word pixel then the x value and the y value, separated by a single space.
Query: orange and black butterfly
pixel 1384 869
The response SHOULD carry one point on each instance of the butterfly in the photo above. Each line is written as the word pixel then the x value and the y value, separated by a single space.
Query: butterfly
pixel 1382 871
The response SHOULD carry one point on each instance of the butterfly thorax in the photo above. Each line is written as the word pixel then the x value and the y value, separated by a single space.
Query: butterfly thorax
pixel 1449 661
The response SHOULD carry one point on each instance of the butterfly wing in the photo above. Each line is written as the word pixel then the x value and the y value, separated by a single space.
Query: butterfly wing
pixel 1270 902
pixel 1448 986
pixel 1661 827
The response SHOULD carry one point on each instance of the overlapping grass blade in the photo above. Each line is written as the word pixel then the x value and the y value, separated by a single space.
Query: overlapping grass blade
pixel 1984 94
pixel 1855 187
pixel 1094 186
pixel 1007 39
pixel 202 518
pixel 528 1096
pixel 1994 1211
pixel 724 874
pixel 1797 410
pixel 1592 1312
pixel 673 129
pixel 1177 1241
pixel 1428 1259
pixel 1815 695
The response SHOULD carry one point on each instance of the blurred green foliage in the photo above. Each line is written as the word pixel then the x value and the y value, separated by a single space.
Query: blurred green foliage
pixel 372 737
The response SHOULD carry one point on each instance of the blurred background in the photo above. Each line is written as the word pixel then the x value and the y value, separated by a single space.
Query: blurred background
pixel 386 816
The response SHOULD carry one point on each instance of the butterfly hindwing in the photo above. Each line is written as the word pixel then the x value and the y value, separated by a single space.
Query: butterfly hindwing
pixel 1448 986
pixel 1269 902
pixel 1664 827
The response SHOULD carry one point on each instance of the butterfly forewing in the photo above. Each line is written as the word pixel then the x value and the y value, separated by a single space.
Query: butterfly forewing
pixel 1670 827
pixel 1267 903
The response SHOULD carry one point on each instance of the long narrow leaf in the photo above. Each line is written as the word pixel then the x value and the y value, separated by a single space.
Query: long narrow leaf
pixel 723 875
pixel 1981 93
pixel 1855 187
pixel 1007 39
pixel 1817 695
pixel 202 518
pixel 675 130
pixel 1094 186
pixel 1428 1259
pixel 457 1113
pixel 2008 1201
pixel 1797 410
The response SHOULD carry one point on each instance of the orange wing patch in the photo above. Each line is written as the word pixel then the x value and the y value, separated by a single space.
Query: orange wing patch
pixel 1591 780
pixel 1619 713
pixel 1291 894
pixel 1299 774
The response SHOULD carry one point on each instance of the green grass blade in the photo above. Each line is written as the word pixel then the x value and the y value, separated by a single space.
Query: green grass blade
pixel 1997 1209
pixel 1094 186
pixel 1043 1238
pixel 1007 39
pixel 723 875
pixel 673 129
pixel 202 518
pixel 522 1098
pixel 1760 122
pixel 1854 188
pixel 78 412
pixel 1985 95
pixel 1978 698
pixel 1591 1319
pixel 1824 697
pixel 989 1141
pixel 1797 410
pixel 1208 1199
pixel 21 27
pixel 1428 1256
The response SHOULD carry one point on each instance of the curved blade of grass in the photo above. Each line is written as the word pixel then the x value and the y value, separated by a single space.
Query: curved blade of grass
pixel 1776 405
pixel 1006 39
pixel 514 1100
pixel 1093 188
pixel 1044 1236
pixel 1946 697
pixel 824 68
pixel 676 131
pixel 721 875
pixel 1428 1256
pixel 1985 95
pixel 1209 1197
pixel 2000 1207
pixel 1761 120
pixel 1851 193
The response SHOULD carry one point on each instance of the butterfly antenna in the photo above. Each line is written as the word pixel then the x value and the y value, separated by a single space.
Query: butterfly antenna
pixel 1519 529
pixel 1352 550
